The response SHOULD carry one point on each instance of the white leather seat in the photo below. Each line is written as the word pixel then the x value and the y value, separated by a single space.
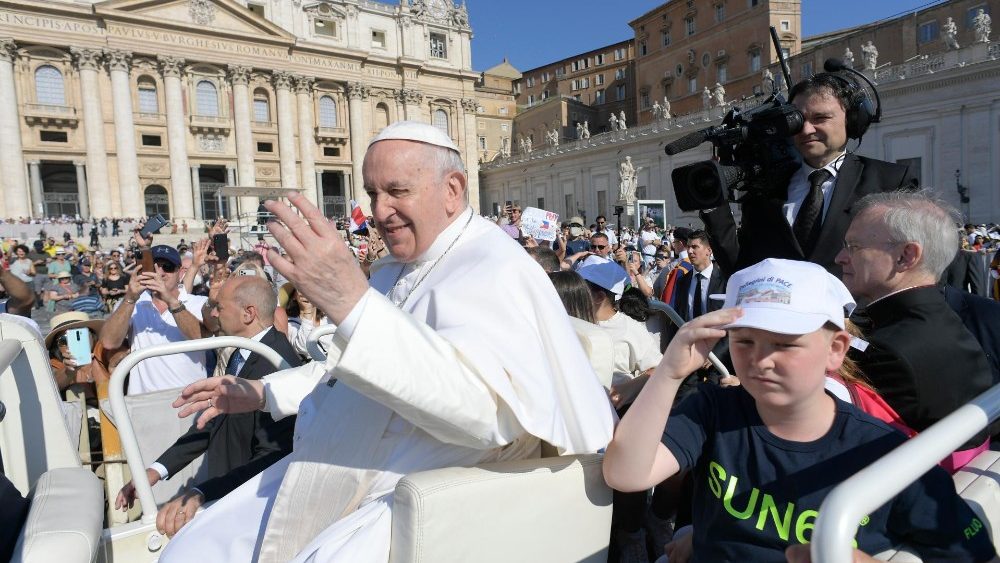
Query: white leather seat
pixel 548 509
pixel 65 519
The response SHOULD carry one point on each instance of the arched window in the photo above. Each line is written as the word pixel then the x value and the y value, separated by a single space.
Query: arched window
pixel 327 112
pixel 147 96
pixel 381 116
pixel 157 201
pixel 208 98
pixel 261 107
pixel 49 87
pixel 441 120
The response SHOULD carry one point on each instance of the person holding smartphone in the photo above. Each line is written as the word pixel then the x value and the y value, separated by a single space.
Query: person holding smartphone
pixel 72 361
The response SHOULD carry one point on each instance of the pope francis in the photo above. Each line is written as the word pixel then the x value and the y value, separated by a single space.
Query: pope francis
pixel 456 352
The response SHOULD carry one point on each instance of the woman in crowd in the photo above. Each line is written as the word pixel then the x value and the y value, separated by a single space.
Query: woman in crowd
pixel 22 266
pixel 114 284
pixel 574 293
pixel 62 293
pixel 67 369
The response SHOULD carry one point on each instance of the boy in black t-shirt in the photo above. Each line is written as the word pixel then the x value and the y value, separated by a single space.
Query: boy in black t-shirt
pixel 764 455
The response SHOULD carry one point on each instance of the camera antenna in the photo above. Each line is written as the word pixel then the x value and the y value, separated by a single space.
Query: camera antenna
pixel 785 72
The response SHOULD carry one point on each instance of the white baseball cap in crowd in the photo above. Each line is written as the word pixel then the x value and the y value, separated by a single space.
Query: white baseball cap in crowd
pixel 787 297
pixel 604 273
pixel 416 131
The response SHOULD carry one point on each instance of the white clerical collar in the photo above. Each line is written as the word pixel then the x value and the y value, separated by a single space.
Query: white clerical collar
pixel 446 238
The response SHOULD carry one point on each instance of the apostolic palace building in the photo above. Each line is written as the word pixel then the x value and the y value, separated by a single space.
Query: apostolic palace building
pixel 126 108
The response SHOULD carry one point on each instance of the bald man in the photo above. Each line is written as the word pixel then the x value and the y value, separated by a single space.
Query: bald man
pixel 236 446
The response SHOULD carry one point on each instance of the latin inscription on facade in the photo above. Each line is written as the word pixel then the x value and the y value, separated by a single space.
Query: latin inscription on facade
pixel 207 43
pixel 44 22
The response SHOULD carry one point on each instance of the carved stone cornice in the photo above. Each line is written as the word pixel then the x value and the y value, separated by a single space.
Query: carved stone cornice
pixel 357 91
pixel 409 96
pixel 303 84
pixel 282 80
pixel 87 59
pixel 118 60
pixel 8 50
pixel 239 74
pixel 469 104
pixel 171 66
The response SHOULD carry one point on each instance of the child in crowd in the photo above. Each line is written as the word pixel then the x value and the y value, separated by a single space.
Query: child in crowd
pixel 764 455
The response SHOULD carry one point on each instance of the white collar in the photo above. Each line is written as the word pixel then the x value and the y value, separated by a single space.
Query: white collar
pixel 833 167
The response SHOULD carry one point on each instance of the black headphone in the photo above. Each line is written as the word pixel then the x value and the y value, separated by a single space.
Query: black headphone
pixel 861 112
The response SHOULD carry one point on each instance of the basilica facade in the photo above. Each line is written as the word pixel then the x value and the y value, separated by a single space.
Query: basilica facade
pixel 128 108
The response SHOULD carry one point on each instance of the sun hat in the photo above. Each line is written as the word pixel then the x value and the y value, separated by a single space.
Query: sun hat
pixel 67 321
pixel 787 297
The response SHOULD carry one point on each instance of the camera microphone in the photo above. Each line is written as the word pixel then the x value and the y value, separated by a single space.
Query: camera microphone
pixel 689 141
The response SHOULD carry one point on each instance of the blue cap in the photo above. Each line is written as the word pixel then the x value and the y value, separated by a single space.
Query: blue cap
pixel 167 253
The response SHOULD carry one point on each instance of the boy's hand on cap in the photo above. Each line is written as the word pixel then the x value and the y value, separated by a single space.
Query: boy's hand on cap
pixel 688 351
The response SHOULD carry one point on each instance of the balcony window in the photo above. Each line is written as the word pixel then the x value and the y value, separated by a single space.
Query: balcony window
pixel 378 39
pixel 327 112
pixel 689 26
pixel 439 47
pixel 147 98
pixel 324 28
pixel 207 96
pixel 261 107
pixel 441 120
pixel 755 60
pixel 49 86
pixel 722 74
pixel 620 91
pixel 928 32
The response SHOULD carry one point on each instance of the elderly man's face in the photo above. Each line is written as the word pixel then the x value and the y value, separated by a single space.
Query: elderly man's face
pixel 411 202
pixel 869 256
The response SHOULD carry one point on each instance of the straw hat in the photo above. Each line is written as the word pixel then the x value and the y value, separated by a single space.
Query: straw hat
pixel 66 321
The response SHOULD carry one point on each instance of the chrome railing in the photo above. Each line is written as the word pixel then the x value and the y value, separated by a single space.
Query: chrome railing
pixel 845 506
pixel 116 394
pixel 679 322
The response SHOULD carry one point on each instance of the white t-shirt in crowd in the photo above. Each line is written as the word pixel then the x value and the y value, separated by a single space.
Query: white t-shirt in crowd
pixel 635 348
pixel 149 328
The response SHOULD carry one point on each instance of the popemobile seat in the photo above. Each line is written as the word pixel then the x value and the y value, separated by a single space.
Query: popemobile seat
pixel 546 509
pixel 67 501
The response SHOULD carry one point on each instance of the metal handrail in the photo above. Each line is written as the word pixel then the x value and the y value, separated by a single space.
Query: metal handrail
pixel 9 350
pixel 677 320
pixel 312 342
pixel 116 394
pixel 868 489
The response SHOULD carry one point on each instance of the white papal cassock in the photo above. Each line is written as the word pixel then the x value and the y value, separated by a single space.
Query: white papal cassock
pixel 477 365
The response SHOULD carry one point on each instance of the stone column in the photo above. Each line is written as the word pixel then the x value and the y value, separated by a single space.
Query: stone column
pixel 12 181
pixel 286 129
pixel 81 190
pixel 37 199
pixel 247 176
pixel 471 154
pixel 88 62
pixel 357 93
pixel 186 200
pixel 230 181
pixel 195 183
pixel 411 100
pixel 119 63
pixel 307 143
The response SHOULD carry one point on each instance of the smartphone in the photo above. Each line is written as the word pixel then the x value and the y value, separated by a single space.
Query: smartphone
pixel 153 225
pixel 509 204
pixel 220 243
pixel 247 272
pixel 147 261
pixel 79 345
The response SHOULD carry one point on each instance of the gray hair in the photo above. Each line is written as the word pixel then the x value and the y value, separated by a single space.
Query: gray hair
pixel 449 161
pixel 921 217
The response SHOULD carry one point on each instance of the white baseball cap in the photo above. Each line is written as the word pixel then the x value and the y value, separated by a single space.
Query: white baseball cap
pixel 416 131
pixel 787 297
pixel 604 273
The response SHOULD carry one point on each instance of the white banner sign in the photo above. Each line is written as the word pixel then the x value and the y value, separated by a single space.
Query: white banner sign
pixel 539 223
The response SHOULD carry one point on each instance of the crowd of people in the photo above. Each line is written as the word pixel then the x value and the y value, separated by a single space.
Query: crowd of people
pixel 811 343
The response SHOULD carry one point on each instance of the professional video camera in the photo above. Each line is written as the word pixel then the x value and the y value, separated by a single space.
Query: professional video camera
pixel 755 152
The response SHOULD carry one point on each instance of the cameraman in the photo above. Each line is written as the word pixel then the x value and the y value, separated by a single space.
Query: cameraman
pixel 809 224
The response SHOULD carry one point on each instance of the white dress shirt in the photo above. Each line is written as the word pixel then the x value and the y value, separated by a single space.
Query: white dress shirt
pixel 707 275
pixel 798 187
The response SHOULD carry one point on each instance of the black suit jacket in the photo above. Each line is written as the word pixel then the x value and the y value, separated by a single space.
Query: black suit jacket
pixel 237 446
pixel 981 316
pixel 921 358
pixel 765 233
pixel 716 284
pixel 966 272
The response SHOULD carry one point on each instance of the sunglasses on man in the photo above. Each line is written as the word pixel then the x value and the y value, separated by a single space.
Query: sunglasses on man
pixel 168 267
pixel 599 246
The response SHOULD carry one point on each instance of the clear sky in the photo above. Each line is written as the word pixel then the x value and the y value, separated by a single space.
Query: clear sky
pixel 531 33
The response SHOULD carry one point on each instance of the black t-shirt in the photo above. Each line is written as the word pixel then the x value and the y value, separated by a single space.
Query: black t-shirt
pixel 755 493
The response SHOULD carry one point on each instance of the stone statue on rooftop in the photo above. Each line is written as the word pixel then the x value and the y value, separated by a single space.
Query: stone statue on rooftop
pixel 706 98
pixel 870 53
pixel 949 32
pixel 657 110
pixel 613 121
pixel 982 24
pixel 586 130
pixel 848 58
pixel 666 108
pixel 719 95
pixel 621 121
